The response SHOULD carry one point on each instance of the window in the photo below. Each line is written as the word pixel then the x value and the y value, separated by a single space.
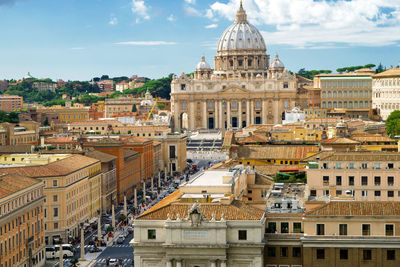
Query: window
pixel 390 193
pixel 285 85
pixel 366 229
pixel 364 165
pixel 338 180
pixel 284 227
pixel 389 230
pixel 390 180
pixel 296 252
pixel 55 198
pixel 338 166
pixel 377 193
pixel 326 192
pixel 55 183
pixel 390 166
pixel 271 228
pixel 242 234
pixel 151 234
pixel 377 166
pixel 313 193
pixel 344 254
pixel 183 87
pixel 320 229
pixel 364 193
pixel 325 180
pixel 55 225
pixel 367 254
pixel 55 212
pixel 390 255
pixel 284 251
pixel 271 252
pixel 377 180
pixel 364 180
pixel 342 229
pixel 296 227
pixel 351 180
pixel 320 254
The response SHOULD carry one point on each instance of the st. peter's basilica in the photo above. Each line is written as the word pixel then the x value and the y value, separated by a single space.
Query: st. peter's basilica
pixel 243 89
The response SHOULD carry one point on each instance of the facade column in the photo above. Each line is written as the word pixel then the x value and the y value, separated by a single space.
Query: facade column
pixel 248 112
pixel 135 199
pixel 191 116
pixel 205 126
pixel 223 263
pixel 216 114
pixel 221 121
pixel 112 217
pixel 169 263
pixel 264 112
pixel 252 111
pixel 240 114
pixel 213 263
pixel 276 112
pixel 178 263
pixel 228 114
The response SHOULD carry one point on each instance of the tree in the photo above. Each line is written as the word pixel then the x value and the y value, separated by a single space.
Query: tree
pixel 393 124
pixel 46 122
pixel 380 68
pixel 105 77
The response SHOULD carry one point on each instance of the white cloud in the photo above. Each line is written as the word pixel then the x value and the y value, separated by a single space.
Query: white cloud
pixel 113 20
pixel 305 23
pixel 140 9
pixel 211 26
pixel 192 2
pixel 191 11
pixel 146 43
pixel 171 17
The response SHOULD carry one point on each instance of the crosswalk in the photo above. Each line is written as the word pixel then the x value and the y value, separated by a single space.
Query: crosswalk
pixel 115 246
pixel 102 262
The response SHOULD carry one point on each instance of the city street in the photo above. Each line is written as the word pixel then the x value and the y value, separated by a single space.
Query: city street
pixel 123 251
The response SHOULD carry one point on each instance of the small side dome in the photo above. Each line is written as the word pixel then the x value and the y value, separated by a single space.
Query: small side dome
pixel 276 64
pixel 203 65
pixel 259 76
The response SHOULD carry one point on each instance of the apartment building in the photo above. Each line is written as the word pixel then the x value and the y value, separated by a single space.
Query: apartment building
pixel 72 190
pixel 348 90
pixel 359 175
pixel 10 103
pixel 26 132
pixel 66 114
pixel 118 105
pixel 146 149
pixel 21 221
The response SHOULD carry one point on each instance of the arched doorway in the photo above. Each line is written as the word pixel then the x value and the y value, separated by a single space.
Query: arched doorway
pixel 183 121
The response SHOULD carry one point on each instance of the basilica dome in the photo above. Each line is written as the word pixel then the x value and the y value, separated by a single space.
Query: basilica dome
pixel 277 63
pixel 241 35
pixel 203 65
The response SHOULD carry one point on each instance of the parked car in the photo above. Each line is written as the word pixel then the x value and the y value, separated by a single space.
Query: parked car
pixel 130 229
pixel 94 249
pixel 120 239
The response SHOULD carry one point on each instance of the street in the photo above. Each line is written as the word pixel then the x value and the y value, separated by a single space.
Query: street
pixel 123 251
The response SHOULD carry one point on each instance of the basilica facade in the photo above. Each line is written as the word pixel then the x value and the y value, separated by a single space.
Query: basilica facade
pixel 243 89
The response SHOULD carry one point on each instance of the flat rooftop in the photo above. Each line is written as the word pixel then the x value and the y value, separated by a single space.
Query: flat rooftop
pixel 210 178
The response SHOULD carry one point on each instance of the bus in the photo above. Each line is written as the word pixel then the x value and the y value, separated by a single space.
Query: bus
pixel 68 251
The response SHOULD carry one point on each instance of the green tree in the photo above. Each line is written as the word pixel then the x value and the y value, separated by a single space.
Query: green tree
pixel 46 122
pixel 393 124
pixel 380 68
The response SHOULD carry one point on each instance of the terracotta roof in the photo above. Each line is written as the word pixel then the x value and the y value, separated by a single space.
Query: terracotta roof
pixel 252 139
pixel 54 140
pixel 143 128
pixel 275 151
pixel 15 149
pixel 96 122
pixel 393 72
pixel 357 208
pixel 235 211
pixel 11 183
pixel 340 140
pixel 103 157
pixel 174 196
pixel 378 138
pixel 134 140
pixel 57 168
pixel 363 156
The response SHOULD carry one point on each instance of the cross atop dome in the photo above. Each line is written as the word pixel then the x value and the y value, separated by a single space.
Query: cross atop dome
pixel 241 14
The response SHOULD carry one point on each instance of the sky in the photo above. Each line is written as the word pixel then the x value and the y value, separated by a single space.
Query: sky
pixel 82 39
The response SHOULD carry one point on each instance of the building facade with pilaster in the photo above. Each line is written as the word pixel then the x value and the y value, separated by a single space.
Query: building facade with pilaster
pixel 243 89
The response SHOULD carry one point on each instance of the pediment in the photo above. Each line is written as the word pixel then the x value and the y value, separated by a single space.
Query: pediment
pixel 234 89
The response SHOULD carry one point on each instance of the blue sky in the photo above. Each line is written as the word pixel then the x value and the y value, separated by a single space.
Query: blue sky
pixel 81 39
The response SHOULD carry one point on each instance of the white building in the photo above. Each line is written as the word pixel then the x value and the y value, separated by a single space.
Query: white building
pixel 386 92
pixel 202 224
